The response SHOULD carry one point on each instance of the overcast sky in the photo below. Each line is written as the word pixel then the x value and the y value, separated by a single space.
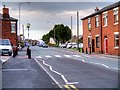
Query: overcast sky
pixel 38 14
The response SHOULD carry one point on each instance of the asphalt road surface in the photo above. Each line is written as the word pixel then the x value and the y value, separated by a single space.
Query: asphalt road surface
pixel 60 68
pixel 71 69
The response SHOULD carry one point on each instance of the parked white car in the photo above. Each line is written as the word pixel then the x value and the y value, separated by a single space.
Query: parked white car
pixel 5 47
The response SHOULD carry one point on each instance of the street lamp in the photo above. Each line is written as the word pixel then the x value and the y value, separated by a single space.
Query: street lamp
pixel 20 13
pixel 28 26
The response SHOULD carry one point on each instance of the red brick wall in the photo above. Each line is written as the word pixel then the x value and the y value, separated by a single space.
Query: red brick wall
pixel 6 32
pixel 108 31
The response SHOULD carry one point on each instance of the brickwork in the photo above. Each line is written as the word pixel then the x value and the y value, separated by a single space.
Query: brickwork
pixel 103 32
pixel 6 27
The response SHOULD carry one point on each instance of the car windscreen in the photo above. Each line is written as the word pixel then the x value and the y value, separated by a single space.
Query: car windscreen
pixel 4 42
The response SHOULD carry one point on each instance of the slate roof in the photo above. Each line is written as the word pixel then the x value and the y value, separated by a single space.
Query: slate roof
pixel 103 10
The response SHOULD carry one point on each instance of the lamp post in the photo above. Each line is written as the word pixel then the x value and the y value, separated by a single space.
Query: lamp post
pixel 28 26
pixel 20 13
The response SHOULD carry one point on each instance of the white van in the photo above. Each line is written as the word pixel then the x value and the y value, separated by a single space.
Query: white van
pixel 5 47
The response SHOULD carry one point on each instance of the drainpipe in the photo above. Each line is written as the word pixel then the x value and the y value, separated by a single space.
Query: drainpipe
pixel 101 33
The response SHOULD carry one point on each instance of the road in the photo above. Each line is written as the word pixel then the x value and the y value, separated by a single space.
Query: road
pixel 59 68
pixel 77 70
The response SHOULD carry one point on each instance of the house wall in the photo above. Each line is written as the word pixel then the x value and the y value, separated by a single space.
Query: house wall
pixel 104 31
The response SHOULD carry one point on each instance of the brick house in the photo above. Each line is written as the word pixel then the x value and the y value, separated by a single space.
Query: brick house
pixel 8 27
pixel 101 30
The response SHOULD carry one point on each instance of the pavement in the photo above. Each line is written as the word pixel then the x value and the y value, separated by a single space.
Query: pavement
pixel 30 74
pixel 102 55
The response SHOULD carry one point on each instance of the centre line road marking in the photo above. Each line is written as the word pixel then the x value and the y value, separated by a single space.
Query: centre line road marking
pixel 67 55
pixel 73 87
pixel 38 57
pixel 57 56
pixel 66 86
pixel 48 56
pixel 76 55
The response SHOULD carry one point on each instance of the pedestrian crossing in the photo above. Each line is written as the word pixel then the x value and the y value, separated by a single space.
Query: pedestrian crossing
pixel 61 56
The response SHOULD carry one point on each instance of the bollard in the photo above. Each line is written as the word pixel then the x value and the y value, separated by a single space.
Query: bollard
pixel 86 51
pixel 29 52
pixel 14 52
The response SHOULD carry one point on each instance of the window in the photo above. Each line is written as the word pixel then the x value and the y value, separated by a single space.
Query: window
pixel 115 13
pixel 89 24
pixel 97 42
pixel 13 27
pixel 96 21
pixel 105 19
pixel 116 43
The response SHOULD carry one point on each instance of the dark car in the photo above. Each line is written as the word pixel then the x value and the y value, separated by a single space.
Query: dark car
pixel 45 46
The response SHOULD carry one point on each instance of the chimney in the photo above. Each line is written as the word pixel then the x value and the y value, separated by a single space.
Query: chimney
pixel 97 9
pixel 5 12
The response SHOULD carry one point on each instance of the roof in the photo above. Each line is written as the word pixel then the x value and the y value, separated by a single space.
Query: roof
pixel 103 10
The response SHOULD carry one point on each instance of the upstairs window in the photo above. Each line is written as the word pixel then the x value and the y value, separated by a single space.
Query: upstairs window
pixel 13 27
pixel 89 23
pixel 96 21
pixel 105 19
pixel 116 40
pixel 115 13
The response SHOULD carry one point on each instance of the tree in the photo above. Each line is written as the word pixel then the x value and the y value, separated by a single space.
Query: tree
pixel 62 34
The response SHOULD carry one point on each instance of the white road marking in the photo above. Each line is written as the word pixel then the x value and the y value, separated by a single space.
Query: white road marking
pixel 14 69
pixel 4 58
pixel 57 56
pixel 48 73
pixel 99 64
pixel 67 55
pixel 63 77
pixel 48 56
pixel 38 57
pixel 83 60
pixel 76 55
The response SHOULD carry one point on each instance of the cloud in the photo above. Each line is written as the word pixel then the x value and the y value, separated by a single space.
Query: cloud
pixel 39 13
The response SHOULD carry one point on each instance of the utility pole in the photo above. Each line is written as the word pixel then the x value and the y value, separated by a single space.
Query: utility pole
pixel 71 28
pixel 23 32
pixel 77 29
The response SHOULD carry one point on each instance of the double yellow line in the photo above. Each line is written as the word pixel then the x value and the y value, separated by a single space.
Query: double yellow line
pixel 70 87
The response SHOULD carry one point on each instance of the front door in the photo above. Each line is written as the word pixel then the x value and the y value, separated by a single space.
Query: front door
pixel 106 45
pixel 93 45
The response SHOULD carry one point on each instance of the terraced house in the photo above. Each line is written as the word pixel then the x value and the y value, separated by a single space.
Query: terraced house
pixel 8 27
pixel 101 30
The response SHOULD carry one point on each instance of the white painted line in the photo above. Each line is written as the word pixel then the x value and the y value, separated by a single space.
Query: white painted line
pixel 51 69
pixel 48 74
pixel 48 56
pixel 14 69
pixel 105 65
pixel 100 64
pixel 83 60
pixel 72 83
pixel 67 55
pixel 77 55
pixel 57 56
pixel 38 57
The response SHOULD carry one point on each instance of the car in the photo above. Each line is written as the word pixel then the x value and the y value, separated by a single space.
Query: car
pixel 45 46
pixel 5 47
pixel 63 45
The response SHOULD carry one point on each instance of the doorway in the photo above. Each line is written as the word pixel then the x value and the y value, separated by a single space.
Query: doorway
pixel 106 45
pixel 93 45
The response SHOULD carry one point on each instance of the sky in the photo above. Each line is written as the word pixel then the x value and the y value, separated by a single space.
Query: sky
pixel 44 15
